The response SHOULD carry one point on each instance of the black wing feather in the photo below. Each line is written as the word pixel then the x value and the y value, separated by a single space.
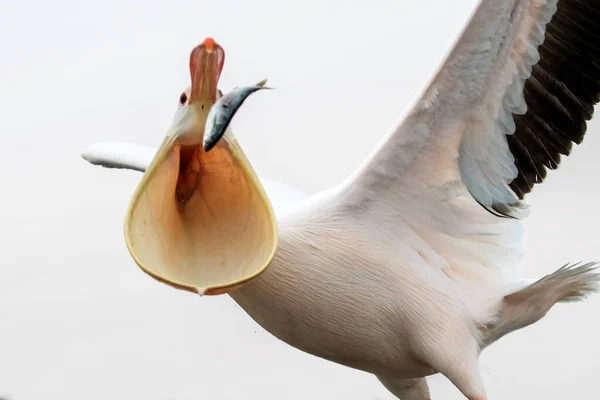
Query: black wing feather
pixel 561 93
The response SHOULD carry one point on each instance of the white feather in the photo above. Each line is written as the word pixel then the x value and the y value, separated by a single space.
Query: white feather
pixel 450 151
pixel 119 155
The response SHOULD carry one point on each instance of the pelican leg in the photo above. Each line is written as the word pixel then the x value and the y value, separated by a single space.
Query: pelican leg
pixel 468 381
pixel 455 354
pixel 407 389
pixel 464 373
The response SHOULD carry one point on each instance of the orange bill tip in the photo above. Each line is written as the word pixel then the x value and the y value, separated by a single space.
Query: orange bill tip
pixel 209 43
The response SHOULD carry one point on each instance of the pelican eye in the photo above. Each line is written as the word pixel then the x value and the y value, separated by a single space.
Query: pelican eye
pixel 183 98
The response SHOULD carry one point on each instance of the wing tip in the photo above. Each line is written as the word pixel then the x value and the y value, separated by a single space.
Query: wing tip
pixel 91 153
pixel 516 210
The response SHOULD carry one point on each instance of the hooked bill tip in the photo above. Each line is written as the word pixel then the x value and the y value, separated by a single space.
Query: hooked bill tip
pixel 209 43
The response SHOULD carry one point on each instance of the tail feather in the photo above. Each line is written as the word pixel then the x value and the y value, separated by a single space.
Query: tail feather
pixel 570 283
pixel 573 282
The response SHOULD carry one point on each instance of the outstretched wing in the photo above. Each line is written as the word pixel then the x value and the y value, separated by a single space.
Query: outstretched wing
pixel 512 96
pixel 137 157
pixel 120 155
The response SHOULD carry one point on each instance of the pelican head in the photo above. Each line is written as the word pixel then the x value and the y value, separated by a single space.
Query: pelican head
pixel 200 221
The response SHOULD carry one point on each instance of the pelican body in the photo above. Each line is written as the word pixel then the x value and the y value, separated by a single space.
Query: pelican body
pixel 410 266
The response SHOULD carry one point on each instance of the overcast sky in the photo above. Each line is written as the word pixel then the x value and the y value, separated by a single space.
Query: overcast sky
pixel 78 319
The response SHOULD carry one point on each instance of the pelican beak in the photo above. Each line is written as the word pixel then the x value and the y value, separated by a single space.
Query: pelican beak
pixel 201 221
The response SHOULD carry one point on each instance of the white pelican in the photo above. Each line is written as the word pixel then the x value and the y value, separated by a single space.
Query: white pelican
pixel 410 266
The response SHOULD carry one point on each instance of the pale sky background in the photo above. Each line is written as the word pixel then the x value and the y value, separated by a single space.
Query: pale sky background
pixel 78 319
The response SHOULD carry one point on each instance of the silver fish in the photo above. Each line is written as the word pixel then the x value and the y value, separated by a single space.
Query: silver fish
pixel 222 112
